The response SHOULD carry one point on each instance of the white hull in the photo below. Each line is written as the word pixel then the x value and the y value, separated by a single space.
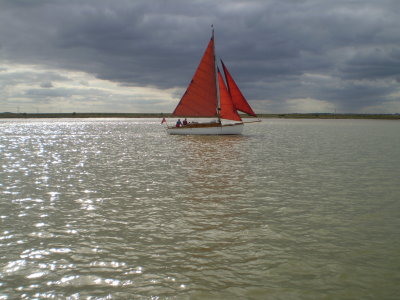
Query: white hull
pixel 203 129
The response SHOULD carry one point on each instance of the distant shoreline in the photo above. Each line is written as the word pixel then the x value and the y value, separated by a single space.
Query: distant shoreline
pixel 8 115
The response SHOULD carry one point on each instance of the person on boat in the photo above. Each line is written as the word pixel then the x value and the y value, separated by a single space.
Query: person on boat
pixel 185 122
pixel 179 123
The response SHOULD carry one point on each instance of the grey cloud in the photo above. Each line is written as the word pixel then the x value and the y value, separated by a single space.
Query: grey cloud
pixel 62 92
pixel 375 63
pixel 46 85
pixel 268 45
pixel 12 77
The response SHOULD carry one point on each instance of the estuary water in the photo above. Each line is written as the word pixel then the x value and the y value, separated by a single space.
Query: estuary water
pixel 117 209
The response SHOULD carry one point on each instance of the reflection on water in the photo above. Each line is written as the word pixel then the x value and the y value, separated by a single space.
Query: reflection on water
pixel 209 167
pixel 111 209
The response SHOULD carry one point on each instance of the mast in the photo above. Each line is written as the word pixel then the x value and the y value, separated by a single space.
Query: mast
pixel 216 78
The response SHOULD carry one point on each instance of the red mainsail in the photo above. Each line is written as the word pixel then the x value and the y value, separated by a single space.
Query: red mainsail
pixel 238 99
pixel 227 111
pixel 200 98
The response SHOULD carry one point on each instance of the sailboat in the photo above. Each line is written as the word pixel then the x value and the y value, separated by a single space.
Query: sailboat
pixel 207 96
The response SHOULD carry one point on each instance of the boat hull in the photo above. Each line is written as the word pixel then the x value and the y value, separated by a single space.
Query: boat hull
pixel 207 129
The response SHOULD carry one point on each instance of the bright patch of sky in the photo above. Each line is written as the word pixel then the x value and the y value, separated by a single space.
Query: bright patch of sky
pixel 33 89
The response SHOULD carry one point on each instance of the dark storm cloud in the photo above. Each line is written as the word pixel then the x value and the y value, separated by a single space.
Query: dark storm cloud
pixel 374 63
pixel 269 45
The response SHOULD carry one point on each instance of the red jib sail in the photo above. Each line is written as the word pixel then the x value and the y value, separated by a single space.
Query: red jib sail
pixel 227 111
pixel 238 99
pixel 200 98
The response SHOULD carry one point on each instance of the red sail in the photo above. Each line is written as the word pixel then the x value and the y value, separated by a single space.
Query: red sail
pixel 228 111
pixel 238 99
pixel 200 98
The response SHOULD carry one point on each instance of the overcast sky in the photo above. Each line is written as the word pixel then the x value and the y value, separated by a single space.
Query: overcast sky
pixel 287 56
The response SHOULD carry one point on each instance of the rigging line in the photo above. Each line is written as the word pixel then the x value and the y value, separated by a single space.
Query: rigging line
pixel 218 108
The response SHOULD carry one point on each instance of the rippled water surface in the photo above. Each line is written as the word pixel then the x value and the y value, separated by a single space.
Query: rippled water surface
pixel 117 209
